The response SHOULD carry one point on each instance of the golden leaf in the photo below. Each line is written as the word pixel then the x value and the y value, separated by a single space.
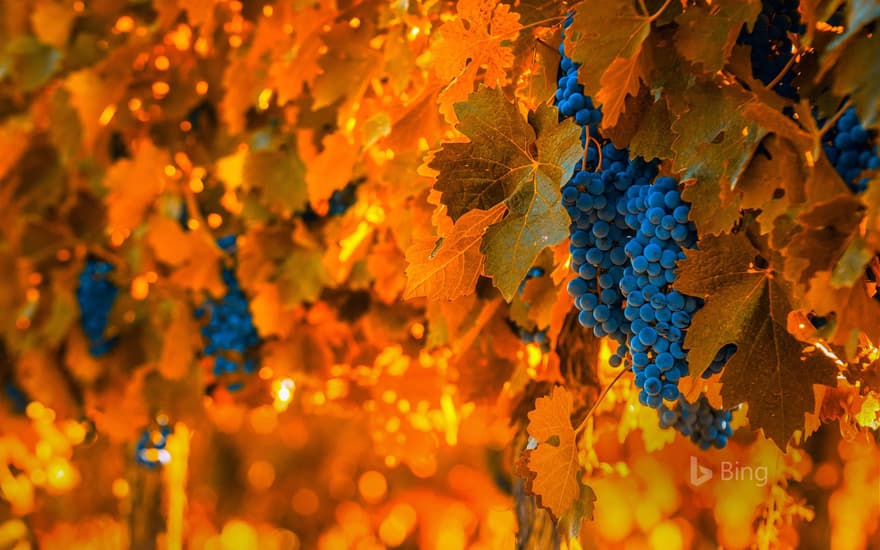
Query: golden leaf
pixel 477 38
pixel 447 268
pixel 127 203
pixel 554 462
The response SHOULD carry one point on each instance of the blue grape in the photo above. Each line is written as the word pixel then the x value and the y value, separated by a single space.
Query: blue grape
pixel 95 295
pixel 706 426
pixel 228 331
pixel 771 47
pixel 852 150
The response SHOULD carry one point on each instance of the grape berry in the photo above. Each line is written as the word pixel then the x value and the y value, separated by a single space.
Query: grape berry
pixel 628 230
pixel 229 333
pixel 96 294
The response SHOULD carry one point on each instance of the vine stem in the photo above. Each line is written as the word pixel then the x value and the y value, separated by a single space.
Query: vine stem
pixel 778 78
pixel 833 120
pixel 587 148
pixel 599 400
pixel 660 11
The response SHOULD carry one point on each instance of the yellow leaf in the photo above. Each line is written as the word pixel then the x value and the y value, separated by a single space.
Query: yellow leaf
pixel 94 90
pixel 134 184
pixel 478 38
pixel 554 461
pixel 201 271
pixel 13 141
pixel 332 169
pixel 51 21
pixel 85 368
pixel 269 314
pixel 178 349
pixel 168 240
pixel 449 267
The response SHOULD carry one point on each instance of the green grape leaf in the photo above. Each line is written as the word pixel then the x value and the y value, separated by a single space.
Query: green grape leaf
pixel 536 220
pixel 282 178
pixel 714 139
pixel 749 306
pixel 503 154
pixel 707 33
pixel 569 523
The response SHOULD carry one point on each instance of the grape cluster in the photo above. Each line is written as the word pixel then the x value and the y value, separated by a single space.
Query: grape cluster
pixel 95 295
pixel 704 424
pixel 600 229
pixel 852 150
pixel 229 333
pixel 771 45
pixel 150 449
pixel 535 335
pixel 628 230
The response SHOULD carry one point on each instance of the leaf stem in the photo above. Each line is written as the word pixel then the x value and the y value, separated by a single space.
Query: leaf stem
pixel 586 150
pixel 778 78
pixel 599 399
pixel 833 120
pixel 643 7
pixel 193 206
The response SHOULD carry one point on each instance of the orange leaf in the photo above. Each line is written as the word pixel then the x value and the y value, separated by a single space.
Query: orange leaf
pixel 178 348
pixel 478 37
pixel 127 202
pixel 554 463
pixel 331 169
pixel 448 268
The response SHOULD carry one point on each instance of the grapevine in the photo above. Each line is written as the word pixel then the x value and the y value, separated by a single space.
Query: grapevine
pixel 440 275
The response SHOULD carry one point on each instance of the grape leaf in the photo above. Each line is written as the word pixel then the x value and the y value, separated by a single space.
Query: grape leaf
pixel 14 134
pixel 281 175
pixel 708 213
pixel 127 203
pixel 622 78
pixel 500 157
pixel 856 310
pixel 448 267
pixel 827 229
pixel 859 13
pixel 570 522
pixel 714 139
pixel 178 344
pixel 706 34
pixel 651 138
pixel 477 38
pixel 95 89
pixel 554 461
pixel 51 22
pixel 601 33
pixel 331 169
pixel 531 168
pixel 857 75
pixel 748 306
pixel 773 181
